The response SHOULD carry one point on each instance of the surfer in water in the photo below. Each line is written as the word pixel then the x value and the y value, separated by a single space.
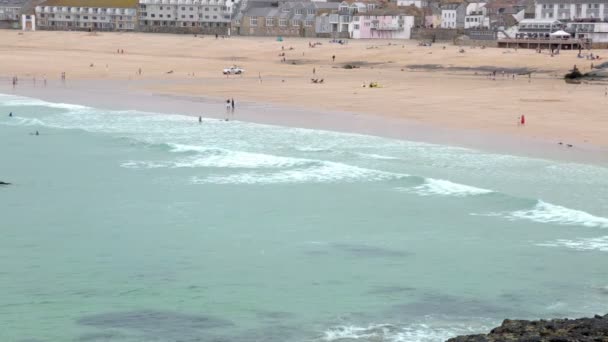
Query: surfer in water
pixel 10 115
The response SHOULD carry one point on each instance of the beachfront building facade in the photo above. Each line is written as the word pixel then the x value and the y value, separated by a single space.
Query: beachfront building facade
pixel 10 13
pixel 90 15
pixel 415 3
pixel 476 16
pixel 290 19
pixel 193 16
pixel 452 14
pixel 383 24
pixel 572 10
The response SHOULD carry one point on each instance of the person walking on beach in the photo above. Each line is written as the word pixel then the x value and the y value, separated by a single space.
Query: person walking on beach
pixel 228 107
pixel 522 120
pixel 314 71
pixel 232 105
pixel 333 58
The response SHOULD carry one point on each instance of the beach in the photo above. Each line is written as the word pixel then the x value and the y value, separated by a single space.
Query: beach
pixel 428 94
pixel 133 210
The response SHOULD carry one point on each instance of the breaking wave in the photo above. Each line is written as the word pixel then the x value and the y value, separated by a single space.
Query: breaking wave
pixel 590 244
pixel 322 172
pixel 544 212
pixel 441 187
pixel 392 333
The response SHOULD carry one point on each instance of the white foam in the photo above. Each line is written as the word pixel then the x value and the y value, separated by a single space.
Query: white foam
pixel 441 187
pixel 21 121
pixel 313 149
pixel 377 156
pixel 590 244
pixel 544 212
pixel 324 172
pixel 25 101
pixel 391 333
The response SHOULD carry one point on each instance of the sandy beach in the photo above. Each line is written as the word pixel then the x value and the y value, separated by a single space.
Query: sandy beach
pixel 432 94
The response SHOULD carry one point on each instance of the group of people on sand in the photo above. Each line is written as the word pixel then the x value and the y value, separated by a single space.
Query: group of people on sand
pixel 120 51
pixel 313 45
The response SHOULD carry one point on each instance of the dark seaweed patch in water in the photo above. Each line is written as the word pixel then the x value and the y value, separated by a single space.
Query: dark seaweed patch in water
pixel 100 336
pixel 274 315
pixel 163 324
pixel 390 290
pixel 447 305
pixel 369 251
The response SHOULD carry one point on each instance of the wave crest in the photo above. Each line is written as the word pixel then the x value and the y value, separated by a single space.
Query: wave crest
pixel 544 212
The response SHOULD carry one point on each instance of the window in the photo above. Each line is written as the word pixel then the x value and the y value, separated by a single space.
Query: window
pixel 282 22
pixel 191 16
pixel 215 17
pixel 355 18
pixel 309 23
pixel 300 11
pixel 206 9
pixel 160 15
pixel 161 8
pixel 561 6
pixel 85 17
pixel 183 8
pixel 192 9
pixel 215 9
pixel 168 15
pixel 295 22
pixel 311 11
pixel 67 17
pixel 253 21
pixel 183 16
pixel 356 26
pixel 269 22
pixel 206 17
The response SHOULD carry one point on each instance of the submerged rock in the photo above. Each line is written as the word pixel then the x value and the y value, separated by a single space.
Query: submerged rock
pixel 555 330
pixel 4 183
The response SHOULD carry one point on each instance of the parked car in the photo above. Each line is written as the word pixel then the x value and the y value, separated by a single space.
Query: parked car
pixel 234 70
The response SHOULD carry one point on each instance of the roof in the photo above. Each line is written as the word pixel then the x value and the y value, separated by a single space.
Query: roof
pixel 409 11
pixel 93 3
pixel 12 3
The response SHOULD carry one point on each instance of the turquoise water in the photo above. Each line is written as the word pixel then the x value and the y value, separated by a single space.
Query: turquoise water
pixel 129 226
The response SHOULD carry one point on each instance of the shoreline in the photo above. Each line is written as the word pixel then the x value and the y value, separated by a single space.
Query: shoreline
pixel 132 95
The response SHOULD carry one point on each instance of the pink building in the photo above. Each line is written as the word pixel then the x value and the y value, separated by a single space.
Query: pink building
pixel 383 24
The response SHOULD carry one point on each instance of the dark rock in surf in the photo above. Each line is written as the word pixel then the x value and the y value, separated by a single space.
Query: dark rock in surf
pixel 555 330
pixel 4 183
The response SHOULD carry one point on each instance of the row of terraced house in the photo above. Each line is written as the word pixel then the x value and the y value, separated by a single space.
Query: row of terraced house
pixel 306 18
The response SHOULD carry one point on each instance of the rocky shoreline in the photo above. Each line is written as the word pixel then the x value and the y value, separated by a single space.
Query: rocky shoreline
pixel 556 330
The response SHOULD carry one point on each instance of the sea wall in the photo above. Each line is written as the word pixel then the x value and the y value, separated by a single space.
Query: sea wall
pixel 437 34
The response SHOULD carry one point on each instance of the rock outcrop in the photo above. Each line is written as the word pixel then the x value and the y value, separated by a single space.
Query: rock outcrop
pixel 556 330
pixel 4 183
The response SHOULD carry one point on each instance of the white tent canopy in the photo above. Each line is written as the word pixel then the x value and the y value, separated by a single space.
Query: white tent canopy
pixel 560 33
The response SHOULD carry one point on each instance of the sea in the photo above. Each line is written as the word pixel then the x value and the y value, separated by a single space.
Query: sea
pixel 130 226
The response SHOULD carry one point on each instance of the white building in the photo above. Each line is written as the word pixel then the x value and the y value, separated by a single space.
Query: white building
pixel 476 16
pixel 448 18
pixel 207 16
pixel 416 3
pixel 99 15
pixel 571 9
pixel 10 12
pixel 597 32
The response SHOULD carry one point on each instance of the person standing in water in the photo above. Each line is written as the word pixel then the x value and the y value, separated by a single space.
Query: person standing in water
pixel 200 119
pixel 10 115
